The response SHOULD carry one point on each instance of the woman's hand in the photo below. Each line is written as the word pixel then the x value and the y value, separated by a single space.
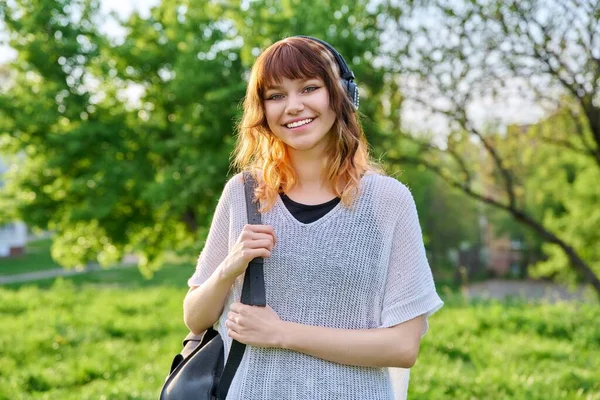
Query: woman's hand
pixel 254 241
pixel 254 325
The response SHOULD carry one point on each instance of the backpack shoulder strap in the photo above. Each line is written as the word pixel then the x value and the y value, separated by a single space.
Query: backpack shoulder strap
pixel 253 291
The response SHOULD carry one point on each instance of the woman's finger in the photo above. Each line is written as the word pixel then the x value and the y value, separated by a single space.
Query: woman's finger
pixel 232 324
pixel 254 236
pixel 261 244
pixel 261 229
pixel 231 315
pixel 233 335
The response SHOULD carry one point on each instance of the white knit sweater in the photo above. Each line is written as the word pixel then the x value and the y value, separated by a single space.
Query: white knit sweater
pixel 354 268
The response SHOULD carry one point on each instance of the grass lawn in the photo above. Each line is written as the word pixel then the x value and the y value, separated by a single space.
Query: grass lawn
pixel 36 258
pixel 111 335
pixel 510 350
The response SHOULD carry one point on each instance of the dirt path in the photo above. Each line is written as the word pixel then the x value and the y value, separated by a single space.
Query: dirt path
pixel 530 289
pixel 53 273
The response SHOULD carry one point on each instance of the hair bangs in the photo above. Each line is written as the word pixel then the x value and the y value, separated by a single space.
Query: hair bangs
pixel 291 61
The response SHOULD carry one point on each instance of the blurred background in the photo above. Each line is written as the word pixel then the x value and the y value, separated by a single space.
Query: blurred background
pixel 117 120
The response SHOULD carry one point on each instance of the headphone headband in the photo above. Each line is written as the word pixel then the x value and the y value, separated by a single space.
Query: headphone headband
pixel 344 69
pixel 346 74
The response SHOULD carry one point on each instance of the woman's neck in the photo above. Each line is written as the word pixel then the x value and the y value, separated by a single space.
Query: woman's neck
pixel 311 187
pixel 309 171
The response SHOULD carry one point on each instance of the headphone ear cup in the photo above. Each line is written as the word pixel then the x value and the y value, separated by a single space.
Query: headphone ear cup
pixel 352 89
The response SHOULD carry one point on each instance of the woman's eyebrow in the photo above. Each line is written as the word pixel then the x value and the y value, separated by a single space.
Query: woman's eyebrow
pixel 277 87
pixel 274 87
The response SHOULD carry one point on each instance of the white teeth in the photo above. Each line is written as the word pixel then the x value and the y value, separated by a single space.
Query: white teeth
pixel 299 123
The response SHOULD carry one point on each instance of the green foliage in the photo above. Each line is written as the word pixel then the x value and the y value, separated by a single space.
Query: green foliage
pixel 446 216
pixel 562 189
pixel 460 57
pixel 127 142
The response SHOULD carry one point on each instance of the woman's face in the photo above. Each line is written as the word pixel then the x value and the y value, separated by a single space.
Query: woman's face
pixel 298 113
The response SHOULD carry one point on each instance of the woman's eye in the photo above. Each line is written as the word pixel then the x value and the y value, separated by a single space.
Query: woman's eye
pixel 307 89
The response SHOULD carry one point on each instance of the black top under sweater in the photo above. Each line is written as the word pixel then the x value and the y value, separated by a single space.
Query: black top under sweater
pixel 308 213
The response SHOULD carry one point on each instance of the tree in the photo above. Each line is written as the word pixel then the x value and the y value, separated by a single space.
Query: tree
pixel 127 141
pixel 562 191
pixel 452 55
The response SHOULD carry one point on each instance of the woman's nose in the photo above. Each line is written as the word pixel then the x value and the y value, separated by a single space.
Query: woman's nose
pixel 294 104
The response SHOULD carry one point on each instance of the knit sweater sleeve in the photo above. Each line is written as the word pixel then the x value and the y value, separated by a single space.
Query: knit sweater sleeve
pixel 216 246
pixel 409 289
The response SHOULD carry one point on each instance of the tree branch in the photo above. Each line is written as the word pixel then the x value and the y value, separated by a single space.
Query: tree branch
pixel 592 150
pixel 579 265
pixel 544 57
pixel 566 144
pixel 461 117
pixel 428 146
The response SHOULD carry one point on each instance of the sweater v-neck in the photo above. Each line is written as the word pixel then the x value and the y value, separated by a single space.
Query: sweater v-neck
pixel 333 212
pixel 281 206
pixel 307 213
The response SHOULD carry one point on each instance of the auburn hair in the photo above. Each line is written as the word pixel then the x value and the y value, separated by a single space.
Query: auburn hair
pixel 264 155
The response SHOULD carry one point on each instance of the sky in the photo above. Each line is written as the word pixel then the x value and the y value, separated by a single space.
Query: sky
pixel 514 110
pixel 122 7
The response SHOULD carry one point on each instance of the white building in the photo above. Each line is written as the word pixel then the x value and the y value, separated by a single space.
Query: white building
pixel 13 236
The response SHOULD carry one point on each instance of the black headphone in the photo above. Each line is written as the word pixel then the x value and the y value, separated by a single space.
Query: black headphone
pixel 347 75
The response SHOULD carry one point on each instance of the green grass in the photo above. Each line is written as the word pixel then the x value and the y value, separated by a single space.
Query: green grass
pixel 87 336
pixel 36 258
pixel 111 335
pixel 510 350
pixel 83 342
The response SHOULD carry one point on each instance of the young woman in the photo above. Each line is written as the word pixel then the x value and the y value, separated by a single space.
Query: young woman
pixel 348 285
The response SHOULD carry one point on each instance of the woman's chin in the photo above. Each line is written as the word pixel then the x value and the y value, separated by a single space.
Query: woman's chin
pixel 304 144
pixel 301 146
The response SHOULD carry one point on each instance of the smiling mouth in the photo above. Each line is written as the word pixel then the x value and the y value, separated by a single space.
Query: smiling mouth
pixel 298 124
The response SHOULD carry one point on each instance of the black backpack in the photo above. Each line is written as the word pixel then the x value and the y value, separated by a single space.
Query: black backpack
pixel 199 371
